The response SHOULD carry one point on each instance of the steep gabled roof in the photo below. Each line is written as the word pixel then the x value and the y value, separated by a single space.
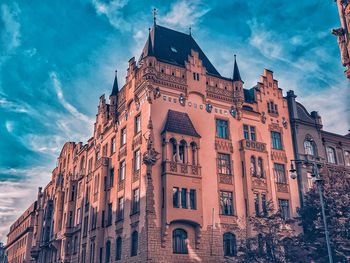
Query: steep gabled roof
pixel 236 76
pixel 174 47
pixel 179 122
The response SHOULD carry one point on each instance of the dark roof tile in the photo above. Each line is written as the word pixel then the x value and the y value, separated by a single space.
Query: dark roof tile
pixel 180 122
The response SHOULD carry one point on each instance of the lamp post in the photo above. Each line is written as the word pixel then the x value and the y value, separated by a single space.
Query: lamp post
pixel 318 180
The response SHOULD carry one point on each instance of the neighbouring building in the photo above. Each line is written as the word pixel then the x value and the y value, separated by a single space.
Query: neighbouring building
pixel 3 257
pixel 343 32
pixel 19 239
pixel 179 159
pixel 311 142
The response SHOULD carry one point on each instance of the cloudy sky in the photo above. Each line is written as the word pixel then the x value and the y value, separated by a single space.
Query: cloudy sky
pixel 58 57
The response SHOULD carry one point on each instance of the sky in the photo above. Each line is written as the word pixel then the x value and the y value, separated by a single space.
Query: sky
pixel 58 57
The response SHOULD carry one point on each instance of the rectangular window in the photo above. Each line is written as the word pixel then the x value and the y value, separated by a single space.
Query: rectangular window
pixel 137 124
pixel 194 76
pixel 252 133
pixel 256 204
pixel 193 201
pixel 121 171
pixel 90 165
pixel 70 222
pixel 276 140
pixel 184 197
pixel 72 197
pixel 120 213
pixel 246 132
pixel 222 129
pixel 280 173
pixel 111 177
pixel 113 145
pixel 123 136
pixel 284 208
pixel 137 160
pixel 224 164
pixel 264 204
pixel 103 219
pixel 78 217
pixel 104 150
pixel 135 201
pixel 86 222
pixel 226 203
pixel 176 197
pixel 109 215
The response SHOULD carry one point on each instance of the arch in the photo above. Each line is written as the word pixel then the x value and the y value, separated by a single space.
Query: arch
pixel 173 143
pixel 253 166
pixel 134 243
pixel 180 241
pixel 182 151
pixel 118 249
pixel 108 251
pixel 229 244
pixel 194 151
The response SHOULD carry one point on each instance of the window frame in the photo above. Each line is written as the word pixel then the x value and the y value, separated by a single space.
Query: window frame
pixel 180 240
pixel 225 129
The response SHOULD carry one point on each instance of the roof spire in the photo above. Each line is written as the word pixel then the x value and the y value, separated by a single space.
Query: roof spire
pixel 236 75
pixel 154 12
pixel 190 31
pixel 115 85
pixel 150 44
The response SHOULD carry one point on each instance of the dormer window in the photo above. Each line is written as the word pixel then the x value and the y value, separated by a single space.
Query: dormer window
pixel 173 49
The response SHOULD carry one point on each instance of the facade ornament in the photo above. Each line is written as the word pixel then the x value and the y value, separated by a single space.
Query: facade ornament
pixel 150 157
pixel 339 32
pixel 148 94
pixel 126 115
pixel 263 117
pixel 284 123
pixel 156 93
pixel 182 100
pixel 137 102
pixel 208 107
pixel 233 111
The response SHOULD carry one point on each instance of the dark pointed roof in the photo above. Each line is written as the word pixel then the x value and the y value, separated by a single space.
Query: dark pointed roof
pixel 174 47
pixel 115 86
pixel 149 44
pixel 180 122
pixel 236 75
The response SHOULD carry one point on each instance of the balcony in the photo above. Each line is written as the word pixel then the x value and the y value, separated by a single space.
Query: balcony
pixel 253 146
pixel 177 168
pixel 102 161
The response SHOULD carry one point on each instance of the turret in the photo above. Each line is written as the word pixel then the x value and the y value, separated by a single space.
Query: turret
pixel 113 99
pixel 238 93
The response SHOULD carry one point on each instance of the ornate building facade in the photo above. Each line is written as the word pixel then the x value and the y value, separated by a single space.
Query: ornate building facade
pixel 331 151
pixel 19 239
pixel 180 158
pixel 343 34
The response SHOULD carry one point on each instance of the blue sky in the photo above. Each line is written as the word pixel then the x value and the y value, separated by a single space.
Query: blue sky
pixel 58 57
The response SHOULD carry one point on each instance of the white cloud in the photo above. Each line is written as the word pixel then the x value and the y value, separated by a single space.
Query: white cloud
pixel 113 11
pixel 10 35
pixel 13 106
pixel 17 196
pixel 185 14
pixel 70 108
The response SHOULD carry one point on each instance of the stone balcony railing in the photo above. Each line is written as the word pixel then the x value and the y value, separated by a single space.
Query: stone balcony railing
pixel 253 145
pixel 181 168
pixel 102 161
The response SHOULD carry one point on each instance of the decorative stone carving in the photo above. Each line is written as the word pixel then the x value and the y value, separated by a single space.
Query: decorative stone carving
pixel 339 32
pixel 225 179
pixel 173 167
pixel 209 107
pixel 282 188
pixel 156 93
pixel 137 102
pixel 259 183
pixel 223 145
pixel 233 112
pixel 182 100
pixel 184 168
pixel 284 123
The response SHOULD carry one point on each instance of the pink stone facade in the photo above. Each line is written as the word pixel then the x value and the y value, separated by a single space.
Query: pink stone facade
pixel 179 157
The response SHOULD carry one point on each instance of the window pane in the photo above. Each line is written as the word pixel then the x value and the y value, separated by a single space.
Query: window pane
pixel 179 241
pixel 280 173
pixel 226 203
pixel 276 140
pixel 175 197
pixel 222 129
pixel 184 197
pixel 193 204
pixel 224 164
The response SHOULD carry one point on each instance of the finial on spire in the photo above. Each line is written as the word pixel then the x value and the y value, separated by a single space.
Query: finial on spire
pixel 236 75
pixel 154 12
pixel 190 31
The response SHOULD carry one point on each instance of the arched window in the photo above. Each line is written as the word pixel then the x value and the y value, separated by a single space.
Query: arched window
pixel 230 247
pixel 194 153
pixel 118 249
pixel 347 158
pixel 134 243
pixel 260 168
pixel 253 165
pixel 309 147
pixel 180 241
pixel 108 251
pixel 331 155
pixel 182 151
pixel 173 149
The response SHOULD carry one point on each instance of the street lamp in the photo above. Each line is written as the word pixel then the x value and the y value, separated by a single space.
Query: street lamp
pixel 318 180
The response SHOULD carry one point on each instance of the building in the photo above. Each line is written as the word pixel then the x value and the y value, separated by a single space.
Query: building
pixel 3 257
pixel 20 237
pixel 180 158
pixel 311 142
pixel 342 34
